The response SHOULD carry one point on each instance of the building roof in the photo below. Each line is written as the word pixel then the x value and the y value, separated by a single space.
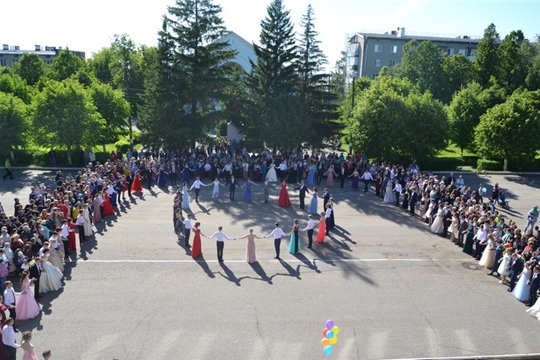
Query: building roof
pixel 407 38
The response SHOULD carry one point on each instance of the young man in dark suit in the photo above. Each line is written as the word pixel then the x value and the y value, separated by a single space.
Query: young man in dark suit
pixel 535 285
pixel 302 194
pixel 498 257
pixel 232 186
pixel 35 273
pixel 516 267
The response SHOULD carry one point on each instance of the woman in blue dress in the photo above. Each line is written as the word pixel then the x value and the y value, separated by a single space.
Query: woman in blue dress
pixel 294 244
pixel 162 177
pixel 247 185
pixel 185 196
pixel 313 203
pixel 263 170
pixel 310 179
pixel 185 173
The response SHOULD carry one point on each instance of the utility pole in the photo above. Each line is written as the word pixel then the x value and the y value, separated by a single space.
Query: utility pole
pixel 126 83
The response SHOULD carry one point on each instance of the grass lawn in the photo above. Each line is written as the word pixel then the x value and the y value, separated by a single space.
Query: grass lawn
pixel 452 151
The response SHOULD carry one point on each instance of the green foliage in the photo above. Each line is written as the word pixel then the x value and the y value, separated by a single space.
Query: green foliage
pixel 64 66
pixel 511 130
pixel 515 61
pixel 13 123
pixel 113 108
pixel 459 71
pixel 487 60
pixel 12 83
pixel 64 116
pixel 484 164
pixel 441 164
pixel 30 68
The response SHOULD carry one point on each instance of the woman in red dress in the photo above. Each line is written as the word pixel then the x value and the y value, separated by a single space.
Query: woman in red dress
pixel 322 229
pixel 136 186
pixel 107 207
pixel 72 243
pixel 283 200
pixel 378 183
pixel 196 248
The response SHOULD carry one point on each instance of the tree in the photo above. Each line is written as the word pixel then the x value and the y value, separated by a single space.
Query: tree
pixel 12 83
pixel 487 61
pixel 64 65
pixel 273 81
pixel 30 67
pixel 465 110
pixel 511 130
pixel 459 71
pixel 422 64
pixel 114 110
pixel 532 81
pixel 64 116
pixel 192 67
pixel 13 122
pixel 514 61
pixel 338 76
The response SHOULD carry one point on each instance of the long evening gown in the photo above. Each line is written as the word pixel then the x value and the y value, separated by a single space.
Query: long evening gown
pixel 310 179
pixel 72 244
pixel 488 256
pixel 251 256
pixel 27 307
pixel 355 181
pixel 185 198
pixel 51 277
pixel 469 242
pixel 271 174
pixel 284 200
pixel 330 177
pixel 521 291
pixel 196 249
pixel 321 233
pixel 389 194
pixel 136 186
pixel 247 194
pixel 96 215
pixel 107 206
pixel 313 203
pixel 294 243
pixel 29 351
pixel 215 190
pixel 162 178
pixel 534 310
pixel 437 227
pixel 55 258
pixel 87 224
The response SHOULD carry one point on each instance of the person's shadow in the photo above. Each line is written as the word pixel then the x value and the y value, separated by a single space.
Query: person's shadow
pixel 229 275
pixel 256 266
pixel 306 261
pixel 204 265
pixel 292 272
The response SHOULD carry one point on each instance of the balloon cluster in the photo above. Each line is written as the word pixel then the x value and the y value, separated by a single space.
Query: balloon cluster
pixel 330 337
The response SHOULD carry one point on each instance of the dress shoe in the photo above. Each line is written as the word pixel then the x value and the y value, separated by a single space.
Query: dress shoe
pixel 277 257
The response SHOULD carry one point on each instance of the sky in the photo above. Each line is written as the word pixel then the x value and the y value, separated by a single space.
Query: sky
pixel 89 26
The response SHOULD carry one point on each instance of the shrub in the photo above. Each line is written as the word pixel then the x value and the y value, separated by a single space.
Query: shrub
pixel 485 164
pixel 441 164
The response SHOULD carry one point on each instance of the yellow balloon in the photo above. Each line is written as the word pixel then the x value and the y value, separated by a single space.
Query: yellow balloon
pixel 325 342
pixel 335 329
pixel 333 340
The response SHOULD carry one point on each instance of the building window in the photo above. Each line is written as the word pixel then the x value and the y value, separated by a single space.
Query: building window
pixel 3 62
pixel 377 62
pixel 392 63
pixel 393 49
pixel 463 52
pixel 374 76
pixel 450 51
pixel 378 48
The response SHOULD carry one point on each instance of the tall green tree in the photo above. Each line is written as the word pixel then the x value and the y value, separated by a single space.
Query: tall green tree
pixel 511 130
pixel 13 122
pixel 532 81
pixel 466 108
pixel 64 116
pixel 273 82
pixel 194 60
pixel 320 103
pixel 514 61
pixel 12 83
pixel 487 61
pixel 30 67
pixel 338 76
pixel 459 71
pixel 64 65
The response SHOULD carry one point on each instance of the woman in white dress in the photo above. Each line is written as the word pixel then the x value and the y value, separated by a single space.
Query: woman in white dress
pixel 488 256
pixel 55 256
pixel 87 224
pixel 215 190
pixel 185 197
pixel 51 276
pixel 438 225
pixel 521 290
pixel 389 194
pixel 271 174
pixel 9 255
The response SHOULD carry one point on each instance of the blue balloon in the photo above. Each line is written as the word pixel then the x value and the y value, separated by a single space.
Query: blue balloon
pixel 329 334
pixel 327 350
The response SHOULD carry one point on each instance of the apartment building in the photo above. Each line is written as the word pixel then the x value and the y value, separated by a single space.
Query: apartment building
pixel 9 55
pixel 368 53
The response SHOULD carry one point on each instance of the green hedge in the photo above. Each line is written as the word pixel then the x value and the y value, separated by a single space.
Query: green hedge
pixel 470 160
pixel 41 158
pixel 440 164
pixel 524 165
pixel 493 165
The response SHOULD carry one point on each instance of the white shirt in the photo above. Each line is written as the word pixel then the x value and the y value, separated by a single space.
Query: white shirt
pixel 310 225
pixel 220 236
pixel 187 224
pixel 277 233
pixel 328 213
pixel 8 337
pixel 398 188
pixel 65 231
pixel 9 297
pixel 366 176
pixel 80 219
pixel 197 185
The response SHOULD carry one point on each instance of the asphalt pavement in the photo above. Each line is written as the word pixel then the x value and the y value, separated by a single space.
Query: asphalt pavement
pixel 395 289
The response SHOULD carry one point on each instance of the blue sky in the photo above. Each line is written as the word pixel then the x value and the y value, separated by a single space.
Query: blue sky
pixel 90 27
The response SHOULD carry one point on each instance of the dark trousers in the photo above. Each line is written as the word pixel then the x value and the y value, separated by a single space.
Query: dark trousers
pixel 532 296
pixel 36 288
pixel 66 244
pixel 310 237
pixel 187 232
pixel 302 204
pixel 81 233
pixel 8 173
pixel 197 194
pixel 277 243
pixel 231 193
pixel 219 245
pixel 12 313
pixel 128 185
pixel 412 207
pixel 12 352
pixel 173 177
pixel 366 186
pixel 397 198
pixel 513 279
pixel 479 250
pixel 342 181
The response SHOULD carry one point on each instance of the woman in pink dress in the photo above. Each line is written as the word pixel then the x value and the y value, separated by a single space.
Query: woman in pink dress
pixel 196 249
pixel 330 173
pixel 96 213
pixel 251 256
pixel 26 345
pixel 27 307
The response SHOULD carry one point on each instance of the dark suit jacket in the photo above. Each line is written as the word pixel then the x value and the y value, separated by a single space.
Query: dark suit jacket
pixel 498 256
pixel 535 282
pixel 326 198
pixel 303 190
pixel 517 267
pixel 34 273
pixel 414 197
pixel 233 184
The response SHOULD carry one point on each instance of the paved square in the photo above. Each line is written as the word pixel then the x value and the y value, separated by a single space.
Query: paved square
pixel 395 289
